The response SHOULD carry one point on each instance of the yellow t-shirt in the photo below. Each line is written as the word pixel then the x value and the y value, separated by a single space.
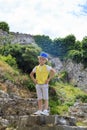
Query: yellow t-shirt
pixel 42 73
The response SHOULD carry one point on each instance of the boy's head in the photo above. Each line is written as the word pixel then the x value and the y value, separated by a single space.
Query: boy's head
pixel 44 56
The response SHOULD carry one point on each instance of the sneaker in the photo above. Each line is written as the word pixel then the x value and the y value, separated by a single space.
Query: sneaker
pixel 45 112
pixel 39 112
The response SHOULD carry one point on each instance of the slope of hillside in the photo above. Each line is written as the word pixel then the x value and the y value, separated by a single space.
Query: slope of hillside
pixel 11 81
pixel 17 99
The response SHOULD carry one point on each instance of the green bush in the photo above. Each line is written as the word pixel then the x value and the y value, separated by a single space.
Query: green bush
pixel 83 98
pixel 59 109
pixel 9 77
pixel 4 26
pixel 29 84
pixel 10 60
pixel 63 76
pixel 25 55
pixel 75 55
pixel 69 103
pixel 53 106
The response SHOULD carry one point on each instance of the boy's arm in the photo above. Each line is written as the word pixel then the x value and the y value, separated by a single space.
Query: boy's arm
pixel 52 73
pixel 32 77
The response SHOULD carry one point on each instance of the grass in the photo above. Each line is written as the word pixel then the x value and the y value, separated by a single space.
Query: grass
pixel 12 80
pixel 65 96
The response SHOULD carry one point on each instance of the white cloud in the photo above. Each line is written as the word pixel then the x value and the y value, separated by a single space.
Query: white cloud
pixel 54 18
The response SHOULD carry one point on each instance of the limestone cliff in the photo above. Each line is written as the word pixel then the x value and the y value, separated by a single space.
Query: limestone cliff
pixel 77 74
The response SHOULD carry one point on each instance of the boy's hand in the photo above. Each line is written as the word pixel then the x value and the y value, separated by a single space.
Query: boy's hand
pixel 52 73
pixel 47 81
pixel 35 81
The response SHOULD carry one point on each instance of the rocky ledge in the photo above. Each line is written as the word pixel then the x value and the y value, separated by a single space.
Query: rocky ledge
pixel 16 114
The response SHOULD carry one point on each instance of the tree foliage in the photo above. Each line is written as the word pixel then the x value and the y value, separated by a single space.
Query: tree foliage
pixel 75 55
pixel 10 60
pixel 69 41
pixel 58 47
pixel 4 26
pixel 64 48
pixel 25 55
pixel 84 48
pixel 44 42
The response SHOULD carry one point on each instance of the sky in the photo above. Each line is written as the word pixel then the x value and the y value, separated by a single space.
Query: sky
pixel 53 18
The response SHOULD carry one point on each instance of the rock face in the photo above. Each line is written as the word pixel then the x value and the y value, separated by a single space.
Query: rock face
pixel 57 64
pixel 22 38
pixel 79 110
pixel 15 105
pixel 77 74
pixel 16 113
pixel 17 38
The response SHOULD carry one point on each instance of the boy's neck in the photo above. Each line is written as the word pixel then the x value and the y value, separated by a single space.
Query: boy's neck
pixel 41 64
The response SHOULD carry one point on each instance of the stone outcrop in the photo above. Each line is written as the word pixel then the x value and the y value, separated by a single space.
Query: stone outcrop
pixel 22 38
pixel 13 38
pixel 79 110
pixel 15 105
pixel 16 114
pixel 77 74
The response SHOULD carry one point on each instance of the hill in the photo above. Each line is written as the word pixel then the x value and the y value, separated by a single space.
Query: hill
pixel 17 92
pixel 18 100
pixel 12 81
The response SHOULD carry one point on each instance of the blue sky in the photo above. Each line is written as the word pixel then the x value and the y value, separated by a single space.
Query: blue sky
pixel 55 18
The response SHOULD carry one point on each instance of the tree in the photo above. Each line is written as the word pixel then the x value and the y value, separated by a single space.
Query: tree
pixel 70 41
pixel 84 48
pixel 78 45
pixel 4 26
pixel 30 57
pixel 25 55
pixel 58 47
pixel 75 55
pixel 44 42
pixel 84 43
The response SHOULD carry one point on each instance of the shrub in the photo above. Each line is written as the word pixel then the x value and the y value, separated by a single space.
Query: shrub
pixel 4 26
pixel 75 55
pixel 9 59
pixel 63 76
pixel 83 98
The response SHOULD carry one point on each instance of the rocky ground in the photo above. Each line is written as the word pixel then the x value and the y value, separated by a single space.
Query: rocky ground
pixel 79 110
pixel 16 114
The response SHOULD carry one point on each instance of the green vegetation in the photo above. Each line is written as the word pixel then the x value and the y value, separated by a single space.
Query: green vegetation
pixel 44 42
pixel 62 94
pixel 15 77
pixel 17 61
pixel 25 56
pixel 84 48
pixel 79 123
pixel 4 26
pixel 10 60
pixel 64 48
pixel 64 97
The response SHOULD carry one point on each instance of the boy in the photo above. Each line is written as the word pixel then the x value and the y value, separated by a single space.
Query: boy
pixel 44 73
